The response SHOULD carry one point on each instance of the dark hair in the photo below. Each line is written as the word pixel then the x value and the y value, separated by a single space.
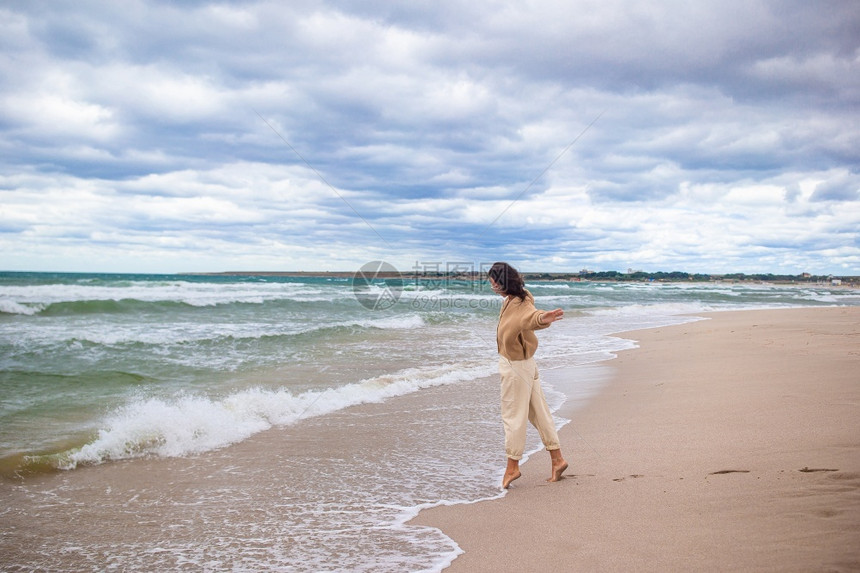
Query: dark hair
pixel 509 279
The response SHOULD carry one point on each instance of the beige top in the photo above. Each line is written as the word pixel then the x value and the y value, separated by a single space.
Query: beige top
pixel 518 320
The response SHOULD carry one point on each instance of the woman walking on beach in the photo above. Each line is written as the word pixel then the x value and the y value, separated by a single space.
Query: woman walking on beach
pixel 522 396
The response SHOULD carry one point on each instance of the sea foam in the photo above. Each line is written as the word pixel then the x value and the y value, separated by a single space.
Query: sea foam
pixel 192 294
pixel 12 307
pixel 190 424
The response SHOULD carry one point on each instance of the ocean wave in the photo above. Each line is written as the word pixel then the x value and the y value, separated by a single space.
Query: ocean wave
pixel 166 334
pixel 828 296
pixel 188 424
pixel 693 307
pixel 12 307
pixel 652 309
pixel 130 305
pixel 178 292
pixel 404 322
pixel 108 306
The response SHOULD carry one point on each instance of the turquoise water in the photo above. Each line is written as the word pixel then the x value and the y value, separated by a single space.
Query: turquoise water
pixel 99 368
pixel 76 349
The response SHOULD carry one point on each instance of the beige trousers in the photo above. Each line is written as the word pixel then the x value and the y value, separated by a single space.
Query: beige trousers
pixel 523 401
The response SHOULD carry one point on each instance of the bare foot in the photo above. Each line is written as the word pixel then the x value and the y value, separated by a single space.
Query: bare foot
pixel 558 470
pixel 509 477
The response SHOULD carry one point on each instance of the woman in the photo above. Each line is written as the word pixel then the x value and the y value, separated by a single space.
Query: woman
pixel 522 396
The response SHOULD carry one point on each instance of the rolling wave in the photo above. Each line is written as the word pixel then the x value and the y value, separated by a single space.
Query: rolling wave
pixel 191 424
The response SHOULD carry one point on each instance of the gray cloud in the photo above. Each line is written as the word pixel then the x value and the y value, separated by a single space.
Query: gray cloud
pixel 842 187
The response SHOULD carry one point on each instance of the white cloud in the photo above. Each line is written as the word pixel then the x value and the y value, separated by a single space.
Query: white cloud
pixel 727 140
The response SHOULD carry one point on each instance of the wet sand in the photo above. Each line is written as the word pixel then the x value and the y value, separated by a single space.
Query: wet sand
pixel 326 494
pixel 728 444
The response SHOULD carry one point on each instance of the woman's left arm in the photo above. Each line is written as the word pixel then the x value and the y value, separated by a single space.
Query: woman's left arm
pixel 550 316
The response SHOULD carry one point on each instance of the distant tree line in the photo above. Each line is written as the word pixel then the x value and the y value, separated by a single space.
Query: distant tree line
pixel 677 276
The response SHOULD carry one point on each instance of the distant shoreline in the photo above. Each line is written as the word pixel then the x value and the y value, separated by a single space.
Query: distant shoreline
pixel 820 280
pixel 806 279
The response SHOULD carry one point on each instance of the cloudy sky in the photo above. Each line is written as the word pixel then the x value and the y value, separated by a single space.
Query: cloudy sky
pixel 706 136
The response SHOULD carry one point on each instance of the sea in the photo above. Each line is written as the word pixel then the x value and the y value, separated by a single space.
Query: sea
pixel 283 423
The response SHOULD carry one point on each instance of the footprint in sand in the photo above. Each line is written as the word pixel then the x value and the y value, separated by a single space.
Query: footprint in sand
pixel 632 476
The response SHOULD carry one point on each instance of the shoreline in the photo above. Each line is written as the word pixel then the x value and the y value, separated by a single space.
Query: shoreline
pixel 729 443
pixel 846 281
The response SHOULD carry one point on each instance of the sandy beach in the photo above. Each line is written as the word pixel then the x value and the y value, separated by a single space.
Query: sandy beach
pixel 727 444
